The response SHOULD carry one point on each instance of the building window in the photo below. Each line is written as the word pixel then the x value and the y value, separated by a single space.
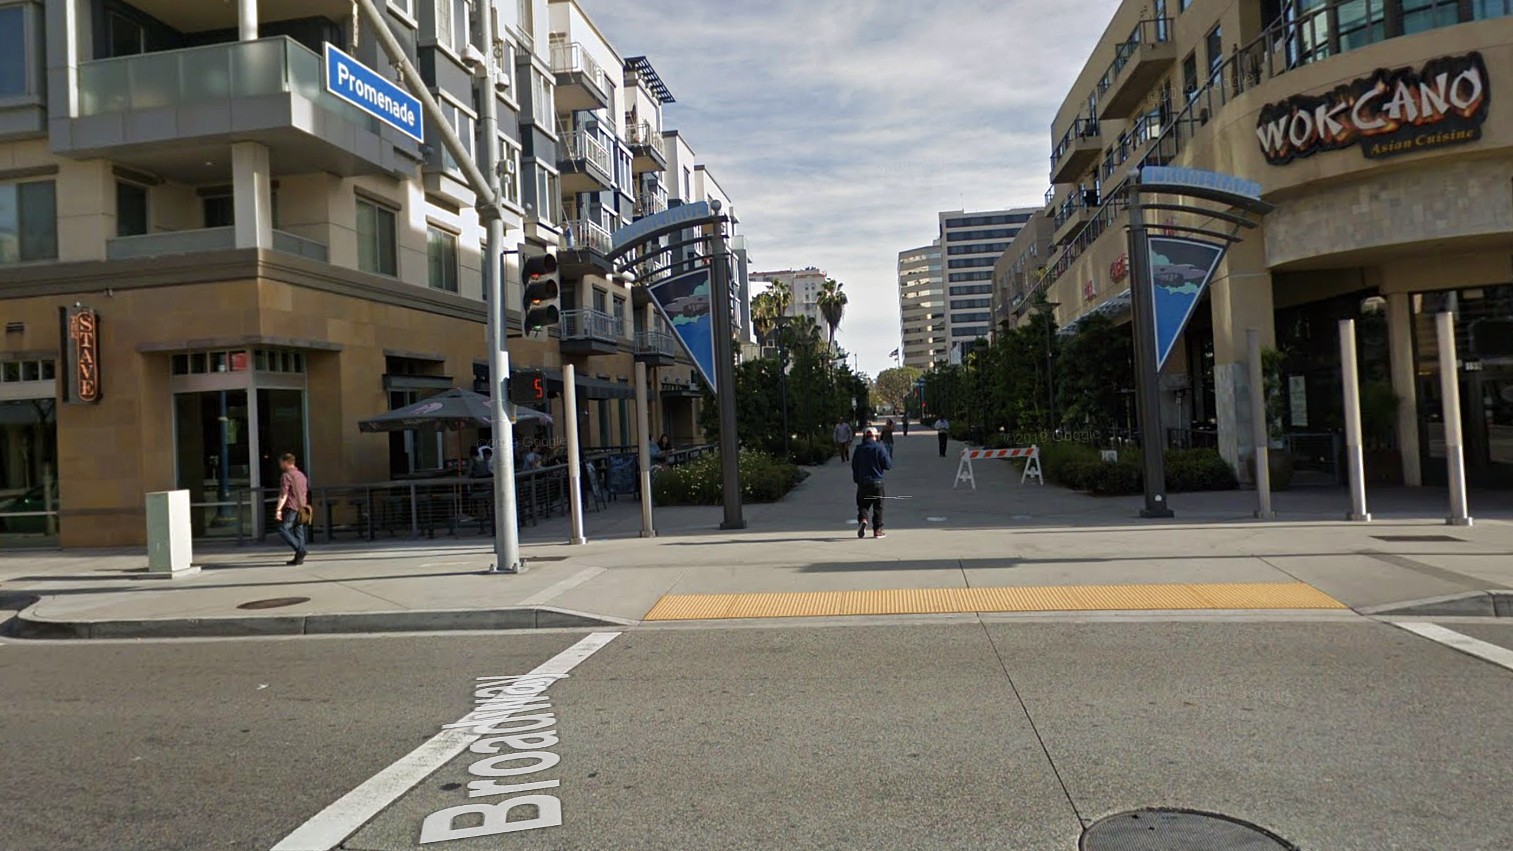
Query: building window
pixel 443 24
pixel 509 158
pixel 600 300
pixel 1483 9
pixel 28 222
pixel 376 247
pixel 462 122
pixel 1189 76
pixel 406 7
pixel 15 371
pixel 441 257
pixel 14 56
pixel 219 210
pixel 131 209
pixel 1214 44
pixel 1418 16
pixel 619 312
pixel 127 37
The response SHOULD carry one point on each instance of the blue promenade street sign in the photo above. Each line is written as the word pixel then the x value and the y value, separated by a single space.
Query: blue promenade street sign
pixel 1180 271
pixel 367 90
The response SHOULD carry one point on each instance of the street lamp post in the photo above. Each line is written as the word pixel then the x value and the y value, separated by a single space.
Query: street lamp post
pixel 1047 310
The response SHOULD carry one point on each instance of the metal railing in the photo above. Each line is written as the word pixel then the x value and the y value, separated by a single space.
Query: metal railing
pixel 230 70
pixel 1151 31
pixel 589 324
pixel 204 239
pixel 644 135
pixel 1082 128
pixel 569 57
pixel 649 202
pixel 588 236
pixel 581 145
pixel 656 343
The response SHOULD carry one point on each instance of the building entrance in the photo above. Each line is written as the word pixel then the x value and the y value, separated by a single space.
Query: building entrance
pixel 1484 344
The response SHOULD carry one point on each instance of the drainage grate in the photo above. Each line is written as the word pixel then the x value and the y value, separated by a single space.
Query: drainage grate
pixel 1421 539
pixel 1178 830
pixel 274 603
pixel 548 558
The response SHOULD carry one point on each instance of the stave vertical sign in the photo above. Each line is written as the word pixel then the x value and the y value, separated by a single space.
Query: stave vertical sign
pixel 367 90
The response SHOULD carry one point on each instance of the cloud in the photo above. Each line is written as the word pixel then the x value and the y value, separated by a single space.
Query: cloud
pixel 841 128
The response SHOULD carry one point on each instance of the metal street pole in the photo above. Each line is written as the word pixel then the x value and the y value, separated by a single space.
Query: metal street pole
pixel 1455 449
pixel 574 462
pixel 724 369
pixel 643 435
pixel 1354 457
pixel 1147 379
pixel 1259 434
pixel 506 532
pixel 484 180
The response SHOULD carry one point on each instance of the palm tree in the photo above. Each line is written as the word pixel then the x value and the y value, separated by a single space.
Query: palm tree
pixel 832 304
pixel 782 296
pixel 764 315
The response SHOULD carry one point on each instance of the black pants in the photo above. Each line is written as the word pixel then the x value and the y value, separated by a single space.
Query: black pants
pixel 870 494
pixel 943 437
pixel 845 450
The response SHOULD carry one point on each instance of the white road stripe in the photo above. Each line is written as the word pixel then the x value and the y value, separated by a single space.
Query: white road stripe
pixel 335 823
pixel 1464 643
pixel 560 588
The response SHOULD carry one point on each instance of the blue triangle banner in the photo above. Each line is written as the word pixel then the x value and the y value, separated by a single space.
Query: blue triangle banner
pixel 684 302
pixel 1180 270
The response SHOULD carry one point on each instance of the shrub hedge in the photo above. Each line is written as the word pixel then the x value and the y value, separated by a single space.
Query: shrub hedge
pixel 1080 467
pixel 810 453
pixel 763 479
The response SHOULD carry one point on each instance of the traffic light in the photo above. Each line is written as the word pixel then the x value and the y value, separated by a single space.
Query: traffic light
pixel 542 303
pixel 527 387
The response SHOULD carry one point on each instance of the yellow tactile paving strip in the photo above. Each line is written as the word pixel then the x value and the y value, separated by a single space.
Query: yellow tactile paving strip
pixel 1054 598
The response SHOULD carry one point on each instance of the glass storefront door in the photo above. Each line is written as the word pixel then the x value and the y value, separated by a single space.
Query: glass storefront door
pixel 1484 346
pixel 214 456
pixel 28 473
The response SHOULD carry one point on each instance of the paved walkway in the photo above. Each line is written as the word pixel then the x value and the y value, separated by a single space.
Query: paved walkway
pixel 1024 548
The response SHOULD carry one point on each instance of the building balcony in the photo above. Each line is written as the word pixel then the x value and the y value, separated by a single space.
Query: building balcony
pixel 585 164
pixel 204 239
pixel 581 83
pixel 175 114
pixel 1073 213
pixel 650 201
pixel 1139 63
pixel 587 244
pixel 645 144
pixel 590 332
pixel 655 348
pixel 1079 148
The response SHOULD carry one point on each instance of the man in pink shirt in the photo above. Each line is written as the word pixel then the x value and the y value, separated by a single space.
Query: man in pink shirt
pixel 293 496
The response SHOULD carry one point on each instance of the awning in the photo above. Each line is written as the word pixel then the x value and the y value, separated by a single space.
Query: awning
pixel 1114 306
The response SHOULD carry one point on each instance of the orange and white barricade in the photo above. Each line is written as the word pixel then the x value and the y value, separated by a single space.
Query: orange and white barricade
pixel 1031 454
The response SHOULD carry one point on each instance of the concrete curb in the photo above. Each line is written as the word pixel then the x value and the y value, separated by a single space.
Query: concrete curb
pixel 29 625
pixel 1484 604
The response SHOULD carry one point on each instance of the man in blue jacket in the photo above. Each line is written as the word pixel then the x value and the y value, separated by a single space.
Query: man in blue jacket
pixel 869 463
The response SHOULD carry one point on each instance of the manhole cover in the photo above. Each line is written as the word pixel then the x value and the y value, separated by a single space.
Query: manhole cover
pixel 1178 830
pixel 1421 539
pixel 274 603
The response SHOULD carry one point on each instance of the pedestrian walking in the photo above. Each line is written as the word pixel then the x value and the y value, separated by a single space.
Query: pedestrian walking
pixel 843 437
pixel 906 425
pixel 942 433
pixel 888 434
pixel 869 463
pixel 293 509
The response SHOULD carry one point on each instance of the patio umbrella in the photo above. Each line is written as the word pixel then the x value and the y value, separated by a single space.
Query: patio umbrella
pixel 453 410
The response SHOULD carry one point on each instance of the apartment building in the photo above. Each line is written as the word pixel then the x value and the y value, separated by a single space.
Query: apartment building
pixel 971 242
pixel 257 264
pixel 806 285
pixel 1018 269
pixel 922 307
pixel 1373 128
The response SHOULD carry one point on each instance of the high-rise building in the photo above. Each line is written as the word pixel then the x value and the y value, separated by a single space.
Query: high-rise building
pixel 970 243
pixel 267 264
pixel 922 307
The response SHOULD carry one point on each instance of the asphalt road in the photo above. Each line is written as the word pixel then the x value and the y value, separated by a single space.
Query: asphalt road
pixel 1009 734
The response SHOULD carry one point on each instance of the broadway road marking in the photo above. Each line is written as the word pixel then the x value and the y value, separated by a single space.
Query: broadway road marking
pixel 551 592
pixel 335 823
pixel 1464 643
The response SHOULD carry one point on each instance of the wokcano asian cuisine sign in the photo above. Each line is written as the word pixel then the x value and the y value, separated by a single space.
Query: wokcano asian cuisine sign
pixel 1393 111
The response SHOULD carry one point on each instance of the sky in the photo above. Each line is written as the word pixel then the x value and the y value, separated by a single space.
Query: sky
pixel 841 128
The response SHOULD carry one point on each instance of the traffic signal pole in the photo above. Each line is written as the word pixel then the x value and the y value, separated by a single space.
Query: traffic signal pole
pixel 484 179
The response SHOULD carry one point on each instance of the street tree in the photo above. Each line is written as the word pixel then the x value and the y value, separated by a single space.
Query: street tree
pixel 894 384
